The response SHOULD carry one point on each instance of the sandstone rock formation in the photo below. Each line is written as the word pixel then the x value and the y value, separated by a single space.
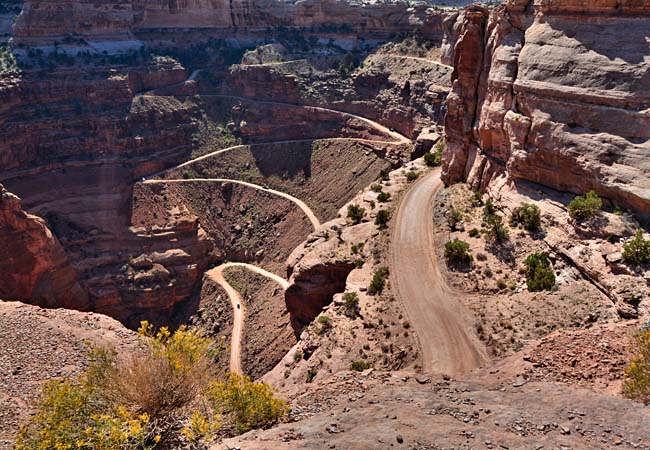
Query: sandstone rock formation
pixel 44 21
pixel 33 264
pixel 554 93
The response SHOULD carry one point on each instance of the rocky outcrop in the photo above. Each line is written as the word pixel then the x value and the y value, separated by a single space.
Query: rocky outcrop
pixel 312 288
pixel 33 264
pixel 554 93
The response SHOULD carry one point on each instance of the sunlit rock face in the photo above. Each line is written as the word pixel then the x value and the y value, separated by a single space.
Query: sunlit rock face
pixel 554 93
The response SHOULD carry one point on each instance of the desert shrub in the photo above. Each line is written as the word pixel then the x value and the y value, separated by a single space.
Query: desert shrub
pixel 351 304
pixel 246 403
pixel 587 207
pixel 454 217
pixel 457 251
pixel 528 215
pixel 501 284
pixel 311 374
pixel 325 323
pixel 375 187
pixel 155 398
pixel 132 402
pixel 358 248
pixel 360 365
pixel 474 232
pixel 433 159
pixel 356 213
pixel 412 176
pixel 477 198
pixel 637 250
pixel 378 281
pixel 636 384
pixel 72 415
pixel 539 273
pixel 489 210
pixel 383 174
pixel 496 232
pixel 383 197
pixel 382 218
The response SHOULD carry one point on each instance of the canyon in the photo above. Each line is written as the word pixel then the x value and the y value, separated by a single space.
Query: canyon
pixel 261 169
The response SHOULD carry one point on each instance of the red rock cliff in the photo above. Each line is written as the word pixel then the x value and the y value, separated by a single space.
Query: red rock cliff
pixel 553 92
pixel 33 264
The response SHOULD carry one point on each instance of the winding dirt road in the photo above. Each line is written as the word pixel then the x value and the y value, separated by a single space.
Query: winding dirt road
pixel 431 306
pixel 397 137
pixel 417 58
pixel 302 205
pixel 238 309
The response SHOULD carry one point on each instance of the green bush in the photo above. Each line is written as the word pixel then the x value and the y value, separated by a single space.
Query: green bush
pixel 528 215
pixel 360 365
pixel 325 323
pixel 383 197
pixel 496 232
pixel 457 251
pixel 489 210
pixel 474 232
pixel 356 213
pixel 375 187
pixel 378 281
pixel 454 218
pixel 433 159
pixel 382 218
pixel 587 207
pixel 636 384
pixel 637 250
pixel 383 174
pixel 351 304
pixel 412 176
pixel 477 198
pixel 539 273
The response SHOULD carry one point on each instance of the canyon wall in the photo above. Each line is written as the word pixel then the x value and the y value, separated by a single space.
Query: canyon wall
pixel 45 21
pixel 34 266
pixel 552 92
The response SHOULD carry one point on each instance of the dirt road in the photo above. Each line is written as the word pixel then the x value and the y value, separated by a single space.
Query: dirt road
pixel 433 309
pixel 302 205
pixel 238 310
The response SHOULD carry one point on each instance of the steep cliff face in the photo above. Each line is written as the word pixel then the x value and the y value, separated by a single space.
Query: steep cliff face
pixel 34 266
pixel 43 21
pixel 554 93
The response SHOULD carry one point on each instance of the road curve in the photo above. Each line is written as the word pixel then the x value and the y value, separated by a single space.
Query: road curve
pixel 238 313
pixel 431 306
pixel 302 205
pixel 417 58
pixel 398 138
pixel 259 144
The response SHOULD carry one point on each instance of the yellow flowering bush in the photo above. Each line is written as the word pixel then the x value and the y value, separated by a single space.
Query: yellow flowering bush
pixel 247 404
pixel 71 416
pixel 165 396
pixel 637 375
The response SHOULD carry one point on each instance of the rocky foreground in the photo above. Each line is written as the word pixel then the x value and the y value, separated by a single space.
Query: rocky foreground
pixel 402 410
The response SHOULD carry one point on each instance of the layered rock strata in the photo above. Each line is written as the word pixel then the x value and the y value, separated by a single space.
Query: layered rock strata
pixel 43 21
pixel 554 93
pixel 34 266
